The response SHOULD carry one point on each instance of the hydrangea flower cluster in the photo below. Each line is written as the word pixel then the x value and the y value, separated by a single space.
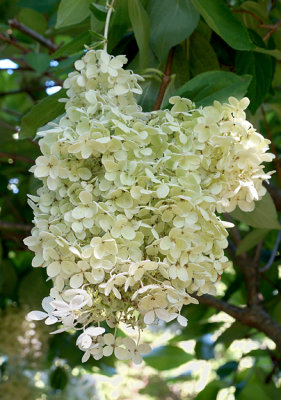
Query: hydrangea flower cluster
pixel 125 222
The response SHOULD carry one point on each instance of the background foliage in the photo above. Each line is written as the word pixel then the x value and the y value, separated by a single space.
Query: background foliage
pixel 219 48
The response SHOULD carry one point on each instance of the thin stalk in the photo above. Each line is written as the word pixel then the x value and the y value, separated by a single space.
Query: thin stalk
pixel 107 21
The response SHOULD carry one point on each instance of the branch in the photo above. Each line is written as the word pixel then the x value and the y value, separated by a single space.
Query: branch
pixel 16 157
pixel 275 194
pixel 272 28
pixel 165 80
pixel 16 226
pixel 250 13
pixel 255 317
pixel 272 146
pixel 33 34
pixel 14 43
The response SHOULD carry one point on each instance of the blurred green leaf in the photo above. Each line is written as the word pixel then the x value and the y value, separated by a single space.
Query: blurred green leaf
pixel 167 357
pixel 210 391
pixel 204 348
pixel 72 12
pixel 226 369
pixel 43 112
pixel 140 24
pixel 33 19
pixel 38 61
pixel 235 331
pixel 99 11
pixel 75 45
pixel 214 85
pixel 58 378
pixel 251 240
pixel 264 215
pixel 171 22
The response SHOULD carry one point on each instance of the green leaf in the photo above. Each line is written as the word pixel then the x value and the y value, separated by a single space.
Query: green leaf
pixel 167 357
pixel 210 391
pixel 99 11
pixel 214 85
pixel 38 61
pixel 33 19
pixel 75 45
pixel 43 112
pixel 120 23
pixel 58 378
pixel 260 67
pixel 72 12
pixel 140 23
pixel 264 215
pixel 228 368
pixel 235 331
pixel 251 240
pixel 40 6
pixel 219 17
pixel 171 22
pixel 202 55
pixel 33 288
pixel 204 348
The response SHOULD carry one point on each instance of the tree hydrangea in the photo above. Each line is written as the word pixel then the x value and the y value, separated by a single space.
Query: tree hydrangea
pixel 126 221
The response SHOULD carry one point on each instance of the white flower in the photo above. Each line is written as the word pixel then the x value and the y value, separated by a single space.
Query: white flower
pixel 39 315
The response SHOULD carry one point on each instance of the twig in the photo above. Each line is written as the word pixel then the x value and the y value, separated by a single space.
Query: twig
pixel 16 226
pixel 107 21
pixel 254 316
pixel 11 112
pixel 234 232
pixel 250 13
pixel 33 34
pixel 9 126
pixel 17 91
pixel 258 252
pixel 272 146
pixel 14 43
pixel 272 28
pixel 165 80
pixel 273 253
pixel 16 157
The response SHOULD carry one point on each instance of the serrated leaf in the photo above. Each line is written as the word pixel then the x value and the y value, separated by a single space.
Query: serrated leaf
pixel 264 215
pixel 214 85
pixel 140 23
pixel 251 240
pixel 75 45
pixel 171 22
pixel 72 12
pixel 167 357
pixel 43 112
pixel 38 61
pixel 219 17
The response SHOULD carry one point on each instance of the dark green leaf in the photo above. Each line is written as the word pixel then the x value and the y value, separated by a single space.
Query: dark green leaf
pixel 58 378
pixel 171 23
pixel 99 11
pixel 33 288
pixel 219 17
pixel 38 61
pixel 228 368
pixel 210 391
pixel 251 240
pixel 260 67
pixel 167 357
pixel 40 6
pixel 140 23
pixel 264 215
pixel 204 348
pixel 75 45
pixel 33 19
pixel 43 112
pixel 235 331
pixel 202 55
pixel 72 12
pixel 214 85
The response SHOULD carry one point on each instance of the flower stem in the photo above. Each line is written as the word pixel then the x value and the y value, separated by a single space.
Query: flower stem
pixel 109 12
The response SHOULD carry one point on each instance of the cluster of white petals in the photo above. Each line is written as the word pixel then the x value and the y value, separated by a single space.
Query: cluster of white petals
pixel 125 222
